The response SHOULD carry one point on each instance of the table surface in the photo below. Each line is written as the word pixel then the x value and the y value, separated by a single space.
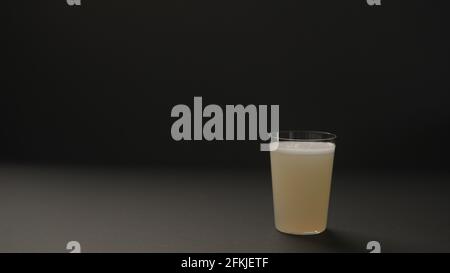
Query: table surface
pixel 219 210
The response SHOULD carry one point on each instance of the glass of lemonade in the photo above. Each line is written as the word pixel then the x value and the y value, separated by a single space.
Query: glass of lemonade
pixel 302 166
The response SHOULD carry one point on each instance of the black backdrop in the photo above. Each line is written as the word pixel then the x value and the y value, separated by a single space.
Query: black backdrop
pixel 95 84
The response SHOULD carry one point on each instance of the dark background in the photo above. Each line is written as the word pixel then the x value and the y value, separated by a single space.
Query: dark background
pixel 95 84
pixel 85 101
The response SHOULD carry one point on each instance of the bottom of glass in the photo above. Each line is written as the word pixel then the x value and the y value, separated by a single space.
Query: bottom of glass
pixel 291 232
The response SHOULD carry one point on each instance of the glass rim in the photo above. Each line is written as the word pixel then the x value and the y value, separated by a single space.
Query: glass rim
pixel 305 136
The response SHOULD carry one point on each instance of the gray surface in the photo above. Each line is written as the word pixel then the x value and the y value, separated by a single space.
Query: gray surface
pixel 181 210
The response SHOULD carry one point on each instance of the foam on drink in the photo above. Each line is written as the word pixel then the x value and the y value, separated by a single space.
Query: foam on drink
pixel 311 148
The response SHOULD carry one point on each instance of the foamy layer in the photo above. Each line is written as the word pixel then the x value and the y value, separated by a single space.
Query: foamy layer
pixel 308 148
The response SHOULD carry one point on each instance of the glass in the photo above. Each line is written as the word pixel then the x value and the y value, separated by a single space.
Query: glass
pixel 302 166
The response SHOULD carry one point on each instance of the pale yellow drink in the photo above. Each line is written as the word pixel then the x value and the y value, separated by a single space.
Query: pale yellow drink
pixel 301 181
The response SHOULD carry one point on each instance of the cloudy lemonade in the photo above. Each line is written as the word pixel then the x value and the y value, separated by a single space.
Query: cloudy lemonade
pixel 301 181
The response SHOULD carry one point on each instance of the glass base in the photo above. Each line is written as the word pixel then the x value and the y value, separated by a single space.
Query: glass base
pixel 314 232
